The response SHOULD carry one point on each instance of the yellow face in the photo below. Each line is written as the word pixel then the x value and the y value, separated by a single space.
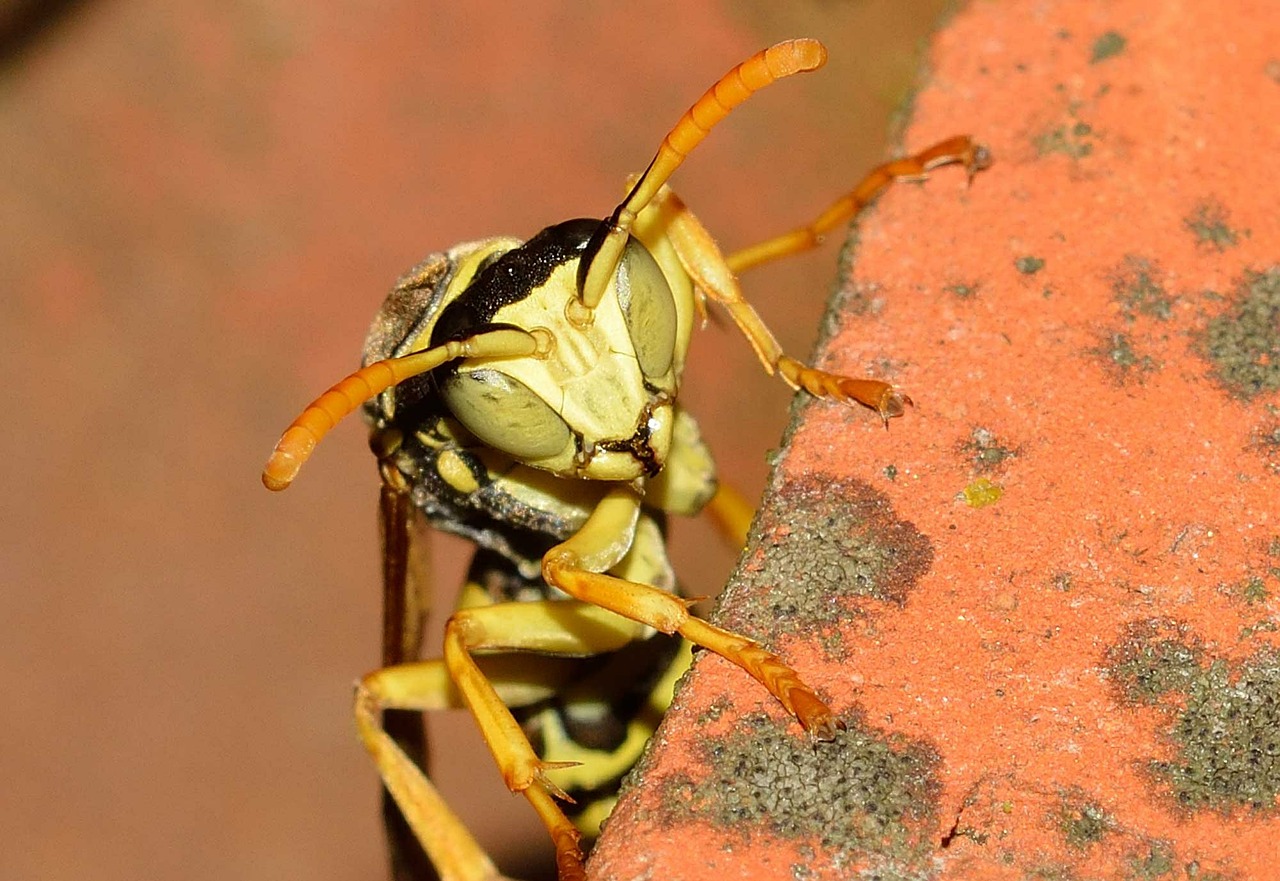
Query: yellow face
pixel 597 400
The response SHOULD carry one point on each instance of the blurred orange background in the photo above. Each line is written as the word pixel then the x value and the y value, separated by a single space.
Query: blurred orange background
pixel 204 205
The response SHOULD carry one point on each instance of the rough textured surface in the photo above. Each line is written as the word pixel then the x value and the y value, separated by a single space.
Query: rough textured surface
pixel 1090 334
pixel 203 206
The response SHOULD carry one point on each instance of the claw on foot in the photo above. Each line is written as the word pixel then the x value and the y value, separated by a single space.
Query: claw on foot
pixel 815 716
pixel 892 404
pixel 540 777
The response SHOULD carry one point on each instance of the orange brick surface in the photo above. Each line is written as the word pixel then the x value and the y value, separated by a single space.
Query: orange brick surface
pixel 1045 601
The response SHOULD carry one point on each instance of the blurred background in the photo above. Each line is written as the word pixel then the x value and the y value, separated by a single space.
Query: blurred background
pixel 203 205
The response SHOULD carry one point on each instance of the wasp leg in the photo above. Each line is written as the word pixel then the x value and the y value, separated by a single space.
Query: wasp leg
pixel 404 609
pixel 575 566
pixel 960 149
pixel 453 851
pixel 701 258
pixel 731 514
pixel 549 628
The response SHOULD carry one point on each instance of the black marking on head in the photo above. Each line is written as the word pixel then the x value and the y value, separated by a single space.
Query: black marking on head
pixel 638 445
pixel 511 278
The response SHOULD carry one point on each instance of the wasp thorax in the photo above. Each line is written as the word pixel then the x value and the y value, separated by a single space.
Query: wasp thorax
pixel 596 399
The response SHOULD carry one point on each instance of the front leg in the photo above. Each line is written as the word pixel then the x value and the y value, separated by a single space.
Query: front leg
pixel 701 258
pixel 568 566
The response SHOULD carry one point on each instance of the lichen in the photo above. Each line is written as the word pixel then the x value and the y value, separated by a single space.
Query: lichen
pixel 1109 45
pixel 1224 716
pixel 1208 223
pixel 866 794
pixel 826 544
pixel 1243 344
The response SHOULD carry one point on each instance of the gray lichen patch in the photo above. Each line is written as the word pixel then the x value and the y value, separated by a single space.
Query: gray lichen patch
pixel 1083 821
pixel 1264 440
pixel 1225 717
pixel 1228 738
pixel 985 451
pixel 1028 265
pixel 1243 344
pixel 1125 347
pixel 1123 361
pixel 1072 140
pixel 1208 223
pixel 867 796
pixel 825 544
pixel 1108 45
pixel 1153 657
pixel 1138 290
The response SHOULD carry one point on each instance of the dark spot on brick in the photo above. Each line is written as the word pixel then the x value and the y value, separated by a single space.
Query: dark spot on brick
pixel 1123 362
pixel 826 544
pixel 1251 589
pixel 1137 289
pixel 1156 863
pixel 1028 265
pixel 1265 441
pixel 1243 344
pixel 1154 656
pixel 963 291
pixel 1082 821
pixel 1063 139
pixel 1208 223
pixel 985 451
pixel 867 794
pixel 1224 716
pixel 1108 45
pixel 1138 292
pixel 1228 738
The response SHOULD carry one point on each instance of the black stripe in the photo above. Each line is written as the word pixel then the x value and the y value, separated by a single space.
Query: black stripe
pixel 511 278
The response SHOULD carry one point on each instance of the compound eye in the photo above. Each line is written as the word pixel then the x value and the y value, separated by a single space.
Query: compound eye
pixel 506 414
pixel 649 309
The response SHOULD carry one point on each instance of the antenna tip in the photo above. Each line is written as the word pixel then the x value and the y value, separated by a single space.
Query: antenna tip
pixel 802 54
pixel 286 459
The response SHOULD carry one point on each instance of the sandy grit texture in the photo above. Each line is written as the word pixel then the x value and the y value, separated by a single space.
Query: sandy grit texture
pixel 1045 601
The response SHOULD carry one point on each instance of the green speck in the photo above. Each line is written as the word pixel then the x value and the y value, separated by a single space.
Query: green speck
pixel 891 472
pixel 962 291
pixel 981 493
pixel 1109 44
pixel 1028 265
pixel 1244 342
pixel 1208 223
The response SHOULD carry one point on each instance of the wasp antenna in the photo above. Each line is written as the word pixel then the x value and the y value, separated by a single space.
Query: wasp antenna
pixel 777 62
pixel 321 415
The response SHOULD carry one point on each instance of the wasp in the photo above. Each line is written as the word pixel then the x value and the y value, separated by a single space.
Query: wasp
pixel 525 395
